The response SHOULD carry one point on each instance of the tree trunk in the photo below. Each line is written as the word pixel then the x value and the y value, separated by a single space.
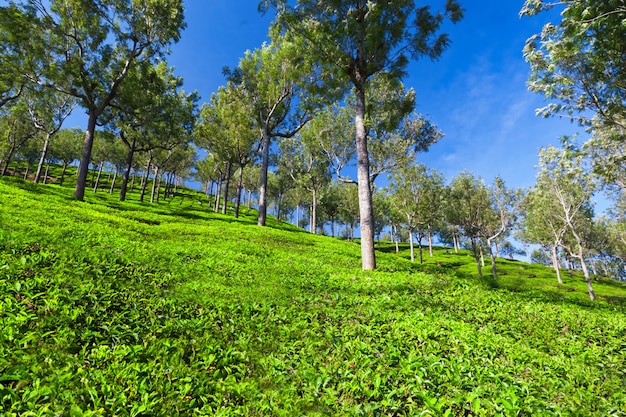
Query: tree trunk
pixel 583 264
pixel 239 192
pixel 368 255
pixel 63 173
pixel 126 176
pixel 555 263
pixel 492 256
pixel 411 246
pixel 113 182
pixel 476 257
pixel 229 167
pixel 85 159
pixel 7 161
pixel 144 180
pixel 26 172
pixel 218 194
pixel 264 167
pixel 97 182
pixel 45 175
pixel 313 226
pixel 419 243
pixel 42 158
pixel 155 178
pixel 430 243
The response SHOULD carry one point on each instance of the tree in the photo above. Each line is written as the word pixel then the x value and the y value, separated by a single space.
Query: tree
pixel 277 79
pixel 300 158
pixel 66 148
pixel 414 189
pixel 48 110
pixel 578 64
pixel 91 47
pixel 471 209
pixel 566 178
pixel 361 39
pixel 228 130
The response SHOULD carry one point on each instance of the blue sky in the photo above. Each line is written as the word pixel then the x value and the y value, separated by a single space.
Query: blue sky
pixel 475 93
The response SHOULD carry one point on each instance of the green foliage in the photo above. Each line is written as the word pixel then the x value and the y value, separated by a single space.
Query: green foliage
pixel 124 308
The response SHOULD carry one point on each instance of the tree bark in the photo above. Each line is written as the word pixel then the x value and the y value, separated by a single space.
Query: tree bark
pixel 85 159
pixel 126 176
pixel 411 246
pixel 368 255
pixel 63 173
pixel 229 167
pixel 239 192
pixel 263 188
pixel 42 158
pixel 97 182
pixel 555 264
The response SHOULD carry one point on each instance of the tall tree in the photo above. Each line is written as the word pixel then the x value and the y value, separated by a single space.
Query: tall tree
pixel 363 38
pixel 279 78
pixel 91 47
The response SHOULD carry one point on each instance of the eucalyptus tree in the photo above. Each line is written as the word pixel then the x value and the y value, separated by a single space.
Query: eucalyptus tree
pixel 361 39
pixel 279 79
pixel 414 191
pixel 48 110
pixel 565 176
pixel 228 130
pixel 470 208
pixel 91 47
pixel 66 148
pixel 578 64
pixel 301 158
pixel 502 217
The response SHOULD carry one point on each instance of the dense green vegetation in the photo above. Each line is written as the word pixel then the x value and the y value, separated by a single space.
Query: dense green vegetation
pixel 126 308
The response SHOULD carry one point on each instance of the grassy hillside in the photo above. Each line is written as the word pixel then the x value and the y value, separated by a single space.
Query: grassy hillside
pixel 118 309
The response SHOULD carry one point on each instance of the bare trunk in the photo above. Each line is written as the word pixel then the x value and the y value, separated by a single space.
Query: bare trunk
pixel 154 184
pixel 229 166
pixel 113 182
pixel 218 193
pixel 63 173
pixel 126 176
pixel 45 175
pixel 42 158
pixel 239 192
pixel 313 226
pixel 419 243
pixel 368 255
pixel 411 246
pixel 555 264
pixel 263 188
pixel 492 256
pixel 97 182
pixel 476 257
pixel 144 180
pixel 85 159
pixel 430 243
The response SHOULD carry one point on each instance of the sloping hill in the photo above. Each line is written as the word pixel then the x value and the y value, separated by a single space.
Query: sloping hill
pixel 110 308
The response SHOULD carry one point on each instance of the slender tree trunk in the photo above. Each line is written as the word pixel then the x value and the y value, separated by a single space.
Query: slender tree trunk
pixel 97 182
pixel 482 255
pixel 249 202
pixel 492 256
pixel 264 167
pixel 113 182
pixel 63 173
pixel 430 242
pixel 555 263
pixel 26 172
pixel 313 227
pixel 411 246
pixel 144 180
pixel 42 158
pixel 368 255
pixel 239 192
pixel 85 159
pixel 229 167
pixel 126 176
pixel 455 242
pixel 45 175
pixel 476 257
pixel 583 264
pixel 395 237
pixel 218 194
pixel 419 243
pixel 155 179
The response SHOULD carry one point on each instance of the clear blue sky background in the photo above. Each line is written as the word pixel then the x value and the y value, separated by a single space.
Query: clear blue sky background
pixel 475 93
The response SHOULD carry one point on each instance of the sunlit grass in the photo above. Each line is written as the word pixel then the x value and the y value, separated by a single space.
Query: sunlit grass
pixel 129 308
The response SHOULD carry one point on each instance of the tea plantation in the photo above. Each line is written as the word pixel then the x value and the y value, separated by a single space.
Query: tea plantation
pixel 168 309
